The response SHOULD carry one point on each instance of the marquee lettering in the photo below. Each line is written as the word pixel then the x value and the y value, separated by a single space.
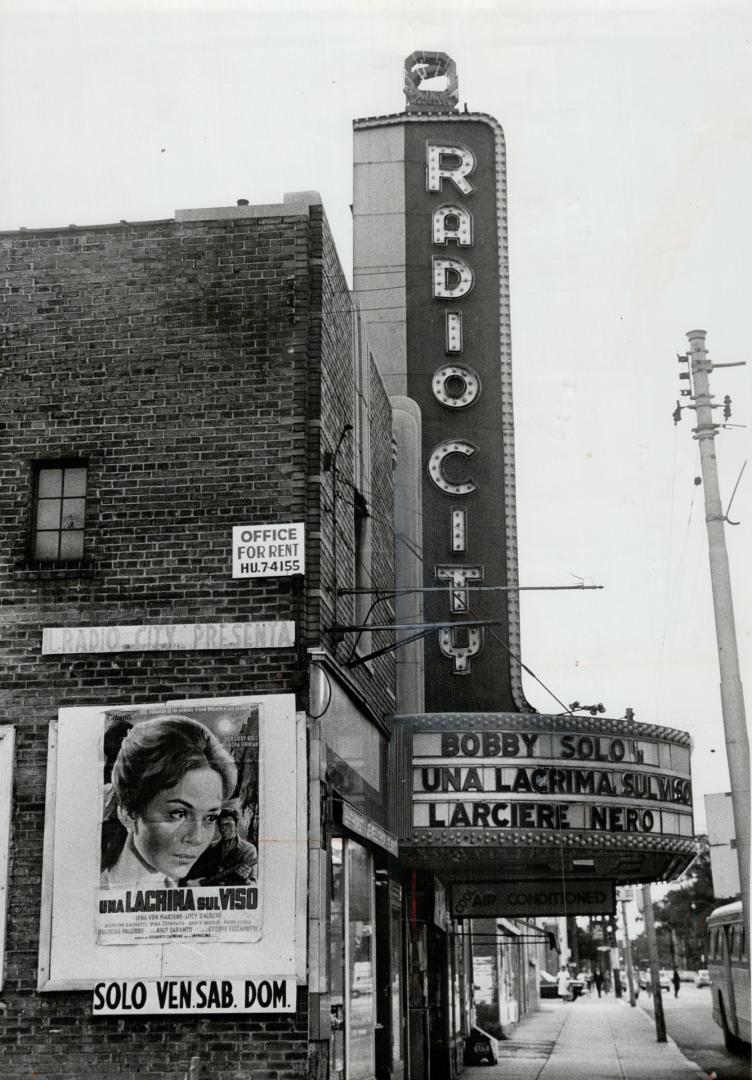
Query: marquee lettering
pixel 457 577
pixel 487 744
pixel 455 386
pixel 459 529
pixel 552 780
pixel 461 652
pixel 437 461
pixel 452 279
pixel 454 331
pixel 453 223
pixel 453 163
pixel 498 815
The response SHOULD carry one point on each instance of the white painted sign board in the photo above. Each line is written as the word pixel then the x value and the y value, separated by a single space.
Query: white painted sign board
pixel 724 862
pixel 268 550
pixel 175 997
pixel 159 637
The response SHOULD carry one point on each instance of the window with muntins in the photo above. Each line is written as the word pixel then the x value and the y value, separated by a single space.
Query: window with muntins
pixel 59 511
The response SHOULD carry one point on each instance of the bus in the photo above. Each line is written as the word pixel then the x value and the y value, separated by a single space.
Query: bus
pixel 728 964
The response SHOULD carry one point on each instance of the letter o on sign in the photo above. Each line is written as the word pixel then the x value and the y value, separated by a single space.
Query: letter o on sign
pixel 456 385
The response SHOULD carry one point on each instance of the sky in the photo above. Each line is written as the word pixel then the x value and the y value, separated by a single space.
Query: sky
pixel 629 143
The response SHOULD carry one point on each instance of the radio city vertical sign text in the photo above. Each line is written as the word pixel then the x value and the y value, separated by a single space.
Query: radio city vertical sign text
pixel 457 317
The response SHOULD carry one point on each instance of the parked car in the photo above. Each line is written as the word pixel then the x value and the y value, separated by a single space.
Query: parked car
pixel 687 976
pixel 663 976
pixel 702 978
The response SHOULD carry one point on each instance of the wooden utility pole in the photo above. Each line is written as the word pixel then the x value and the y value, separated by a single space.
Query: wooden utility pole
pixel 732 695
pixel 655 975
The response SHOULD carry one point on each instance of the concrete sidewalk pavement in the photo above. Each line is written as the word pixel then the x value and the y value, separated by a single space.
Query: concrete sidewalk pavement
pixel 590 1039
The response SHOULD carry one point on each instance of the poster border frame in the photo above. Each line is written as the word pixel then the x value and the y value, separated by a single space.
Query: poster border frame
pixel 48 847
pixel 7 760
pixel 44 983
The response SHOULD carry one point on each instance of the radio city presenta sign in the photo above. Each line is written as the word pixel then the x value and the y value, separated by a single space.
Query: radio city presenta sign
pixel 168 637
pixel 498 777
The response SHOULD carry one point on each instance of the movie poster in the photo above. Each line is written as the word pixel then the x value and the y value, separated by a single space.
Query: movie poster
pixel 180 825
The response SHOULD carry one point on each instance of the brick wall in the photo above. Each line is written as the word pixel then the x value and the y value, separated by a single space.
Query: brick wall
pixel 332 362
pixel 184 361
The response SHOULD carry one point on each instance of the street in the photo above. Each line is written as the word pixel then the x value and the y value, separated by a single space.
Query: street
pixel 689 1022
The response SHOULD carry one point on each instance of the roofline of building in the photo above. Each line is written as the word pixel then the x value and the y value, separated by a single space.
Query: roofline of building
pixel 294 204
pixel 425 114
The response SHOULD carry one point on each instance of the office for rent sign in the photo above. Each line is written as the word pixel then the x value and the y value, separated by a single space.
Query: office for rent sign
pixel 268 550
pixel 175 855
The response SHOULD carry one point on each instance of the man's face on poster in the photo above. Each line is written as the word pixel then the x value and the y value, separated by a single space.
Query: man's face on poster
pixel 227 829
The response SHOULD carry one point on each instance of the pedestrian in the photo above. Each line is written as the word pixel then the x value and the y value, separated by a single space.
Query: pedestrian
pixel 562 984
pixel 598 979
pixel 676 980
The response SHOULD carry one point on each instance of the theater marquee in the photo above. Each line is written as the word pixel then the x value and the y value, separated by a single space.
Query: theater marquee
pixel 508 779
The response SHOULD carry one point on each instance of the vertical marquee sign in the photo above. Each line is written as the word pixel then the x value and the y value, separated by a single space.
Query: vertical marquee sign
pixel 435 180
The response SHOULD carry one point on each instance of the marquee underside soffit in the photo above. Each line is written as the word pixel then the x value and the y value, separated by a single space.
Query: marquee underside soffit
pixel 621 866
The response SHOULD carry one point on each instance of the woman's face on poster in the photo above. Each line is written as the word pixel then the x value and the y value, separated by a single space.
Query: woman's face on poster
pixel 178 823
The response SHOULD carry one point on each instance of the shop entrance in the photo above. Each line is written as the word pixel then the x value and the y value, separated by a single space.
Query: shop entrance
pixel 353 962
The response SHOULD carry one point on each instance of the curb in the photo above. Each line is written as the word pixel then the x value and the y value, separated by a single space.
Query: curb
pixel 692 1064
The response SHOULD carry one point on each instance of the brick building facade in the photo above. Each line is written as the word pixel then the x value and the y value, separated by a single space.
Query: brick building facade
pixel 206 372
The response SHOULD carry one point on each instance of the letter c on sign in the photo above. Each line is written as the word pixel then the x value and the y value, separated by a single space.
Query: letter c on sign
pixel 436 466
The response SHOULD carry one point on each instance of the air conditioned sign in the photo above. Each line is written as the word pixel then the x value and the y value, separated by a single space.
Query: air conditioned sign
pixel 480 899
pixel 268 550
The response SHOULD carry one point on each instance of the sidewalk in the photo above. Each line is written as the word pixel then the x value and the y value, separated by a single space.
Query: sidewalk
pixel 590 1039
